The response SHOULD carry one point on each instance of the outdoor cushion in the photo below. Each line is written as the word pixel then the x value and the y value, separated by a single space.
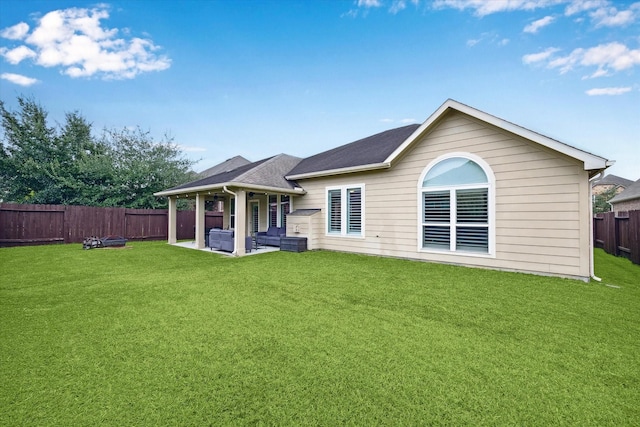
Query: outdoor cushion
pixel 271 237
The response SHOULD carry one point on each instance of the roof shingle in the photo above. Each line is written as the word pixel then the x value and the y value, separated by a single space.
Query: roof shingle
pixel 371 150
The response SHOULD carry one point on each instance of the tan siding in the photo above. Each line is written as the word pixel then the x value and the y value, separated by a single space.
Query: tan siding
pixel 539 199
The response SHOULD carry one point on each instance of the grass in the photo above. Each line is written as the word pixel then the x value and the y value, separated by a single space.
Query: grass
pixel 159 335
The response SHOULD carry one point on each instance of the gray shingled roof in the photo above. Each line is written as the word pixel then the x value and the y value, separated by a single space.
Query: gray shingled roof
pixel 630 193
pixel 614 180
pixel 268 172
pixel 226 166
pixel 371 150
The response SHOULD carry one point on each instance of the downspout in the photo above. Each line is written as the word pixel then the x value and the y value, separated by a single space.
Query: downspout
pixel 591 245
pixel 235 235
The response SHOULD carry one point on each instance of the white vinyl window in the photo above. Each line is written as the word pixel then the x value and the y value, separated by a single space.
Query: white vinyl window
pixel 456 193
pixel 255 217
pixel 345 210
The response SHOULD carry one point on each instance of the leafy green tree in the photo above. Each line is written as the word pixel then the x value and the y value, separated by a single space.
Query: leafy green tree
pixel 28 151
pixel 601 201
pixel 142 167
pixel 67 165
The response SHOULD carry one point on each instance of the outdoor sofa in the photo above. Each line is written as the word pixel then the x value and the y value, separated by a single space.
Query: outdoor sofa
pixel 221 240
pixel 271 237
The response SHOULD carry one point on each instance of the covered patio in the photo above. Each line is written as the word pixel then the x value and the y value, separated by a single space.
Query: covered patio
pixel 253 197
pixel 254 251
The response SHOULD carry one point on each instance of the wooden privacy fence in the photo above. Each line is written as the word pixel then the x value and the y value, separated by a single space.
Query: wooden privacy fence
pixel 45 224
pixel 618 235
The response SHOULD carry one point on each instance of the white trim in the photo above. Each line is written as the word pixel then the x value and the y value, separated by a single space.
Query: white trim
pixel 252 203
pixel 491 185
pixel 340 171
pixel 221 186
pixel 344 211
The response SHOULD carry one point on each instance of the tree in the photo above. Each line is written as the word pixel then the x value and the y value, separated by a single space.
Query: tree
pixel 28 152
pixel 67 165
pixel 143 167
pixel 601 201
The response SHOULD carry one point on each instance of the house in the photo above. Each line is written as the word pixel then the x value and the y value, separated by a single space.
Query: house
pixel 464 187
pixel 609 183
pixel 627 200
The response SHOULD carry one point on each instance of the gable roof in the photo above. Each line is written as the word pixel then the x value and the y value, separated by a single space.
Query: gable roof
pixel 630 193
pixel 613 180
pixel 266 174
pixel 226 166
pixel 361 161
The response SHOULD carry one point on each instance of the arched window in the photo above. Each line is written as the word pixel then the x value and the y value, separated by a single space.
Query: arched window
pixel 456 193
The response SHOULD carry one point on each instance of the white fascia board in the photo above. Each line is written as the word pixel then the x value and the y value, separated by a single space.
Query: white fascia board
pixel 361 168
pixel 220 186
pixel 591 161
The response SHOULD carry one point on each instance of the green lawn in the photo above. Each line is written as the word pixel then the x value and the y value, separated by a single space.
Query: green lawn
pixel 160 335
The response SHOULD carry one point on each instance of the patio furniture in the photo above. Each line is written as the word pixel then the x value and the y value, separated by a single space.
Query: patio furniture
pixel 293 244
pixel 271 237
pixel 221 240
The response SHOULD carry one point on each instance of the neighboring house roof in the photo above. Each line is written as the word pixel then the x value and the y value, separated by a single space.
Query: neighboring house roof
pixel 323 164
pixel 367 151
pixel 613 180
pixel 226 166
pixel 632 192
pixel 266 174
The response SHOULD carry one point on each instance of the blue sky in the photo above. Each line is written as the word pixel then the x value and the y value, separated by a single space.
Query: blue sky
pixel 258 78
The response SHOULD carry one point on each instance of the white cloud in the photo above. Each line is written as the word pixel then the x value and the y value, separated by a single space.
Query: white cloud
pixel 74 40
pixel 540 56
pixel 612 55
pixel 535 26
pixel 578 6
pixel 18 79
pixel 487 7
pixel 608 91
pixel 16 32
pixel 608 58
pixel 397 6
pixel 191 148
pixel 369 3
pixel 612 17
pixel 15 56
pixel 401 121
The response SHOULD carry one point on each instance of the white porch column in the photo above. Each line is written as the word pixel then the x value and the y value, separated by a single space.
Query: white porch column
pixel 199 221
pixel 241 222
pixel 172 220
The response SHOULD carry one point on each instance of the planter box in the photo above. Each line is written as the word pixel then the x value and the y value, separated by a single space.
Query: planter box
pixel 293 244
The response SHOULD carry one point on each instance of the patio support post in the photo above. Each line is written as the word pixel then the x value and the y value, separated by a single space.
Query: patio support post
pixel 241 222
pixel 199 221
pixel 172 221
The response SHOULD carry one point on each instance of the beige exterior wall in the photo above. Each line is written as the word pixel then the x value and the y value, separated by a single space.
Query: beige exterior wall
pixel 541 204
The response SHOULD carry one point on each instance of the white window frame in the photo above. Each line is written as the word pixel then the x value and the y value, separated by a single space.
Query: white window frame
pixel 232 213
pixel 490 186
pixel 254 223
pixel 344 211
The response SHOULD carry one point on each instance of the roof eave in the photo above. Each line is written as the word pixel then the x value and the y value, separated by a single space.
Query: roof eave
pixel 220 186
pixel 340 171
